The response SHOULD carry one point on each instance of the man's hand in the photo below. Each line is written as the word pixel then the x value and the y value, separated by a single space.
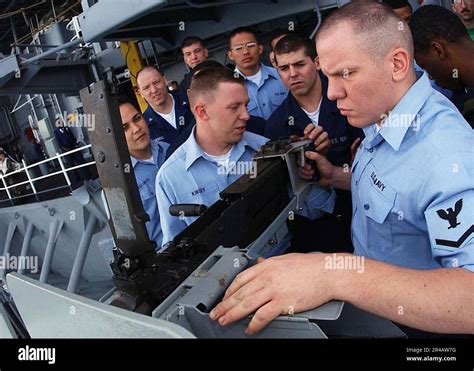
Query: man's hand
pixel 279 285
pixel 319 137
pixel 326 169
pixel 321 145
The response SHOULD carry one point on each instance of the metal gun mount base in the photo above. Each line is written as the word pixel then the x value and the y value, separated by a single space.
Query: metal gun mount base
pixel 47 311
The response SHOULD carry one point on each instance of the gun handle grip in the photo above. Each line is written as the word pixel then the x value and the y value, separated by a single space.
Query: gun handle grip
pixel 316 175
pixel 187 209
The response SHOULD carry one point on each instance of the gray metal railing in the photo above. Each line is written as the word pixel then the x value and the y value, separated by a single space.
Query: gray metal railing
pixel 30 180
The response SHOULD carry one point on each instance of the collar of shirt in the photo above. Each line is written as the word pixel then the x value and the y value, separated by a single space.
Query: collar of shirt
pixel 401 118
pixel 193 151
pixel 267 72
pixel 156 151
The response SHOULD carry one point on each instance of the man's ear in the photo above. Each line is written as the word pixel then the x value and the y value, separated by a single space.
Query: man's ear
pixel 271 55
pixel 402 64
pixel 200 111
pixel 438 49
pixel 229 54
pixel 260 49
pixel 206 52
pixel 316 62
pixel 137 90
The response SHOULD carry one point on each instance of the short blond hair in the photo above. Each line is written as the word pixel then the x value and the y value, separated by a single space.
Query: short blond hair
pixel 378 28
pixel 205 82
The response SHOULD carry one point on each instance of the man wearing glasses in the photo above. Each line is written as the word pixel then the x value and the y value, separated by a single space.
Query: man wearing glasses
pixel 265 89
pixel 463 8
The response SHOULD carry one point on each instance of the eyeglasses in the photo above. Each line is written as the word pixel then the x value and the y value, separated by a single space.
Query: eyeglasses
pixel 240 47
pixel 457 2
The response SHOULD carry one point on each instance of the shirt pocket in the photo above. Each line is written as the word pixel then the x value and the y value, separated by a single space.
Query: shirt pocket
pixel 252 108
pixel 205 194
pixel 276 100
pixel 377 208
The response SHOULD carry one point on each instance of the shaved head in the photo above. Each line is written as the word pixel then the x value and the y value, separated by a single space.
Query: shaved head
pixel 366 51
pixel 378 28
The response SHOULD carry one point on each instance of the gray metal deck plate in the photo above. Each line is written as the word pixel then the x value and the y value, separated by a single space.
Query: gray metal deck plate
pixel 49 312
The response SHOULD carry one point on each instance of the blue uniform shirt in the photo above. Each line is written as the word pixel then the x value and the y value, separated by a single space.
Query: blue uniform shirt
pixel 268 95
pixel 145 173
pixel 189 177
pixel 446 92
pixel 161 129
pixel 413 185
pixel 289 119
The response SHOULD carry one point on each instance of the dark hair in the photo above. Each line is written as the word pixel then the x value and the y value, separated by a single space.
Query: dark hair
pixel 126 99
pixel 190 40
pixel 150 67
pixel 293 43
pixel 278 33
pixel 208 63
pixel 207 80
pixel 397 4
pixel 432 21
pixel 238 30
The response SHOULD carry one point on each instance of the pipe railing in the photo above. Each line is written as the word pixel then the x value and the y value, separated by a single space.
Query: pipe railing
pixel 64 170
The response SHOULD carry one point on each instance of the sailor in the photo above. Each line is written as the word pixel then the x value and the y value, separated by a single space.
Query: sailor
pixel 444 49
pixel 254 124
pixel 194 53
pixel 404 9
pixel 67 142
pixel 265 89
pixel 219 151
pixel 147 156
pixel 307 103
pixel 167 114
pixel 414 226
